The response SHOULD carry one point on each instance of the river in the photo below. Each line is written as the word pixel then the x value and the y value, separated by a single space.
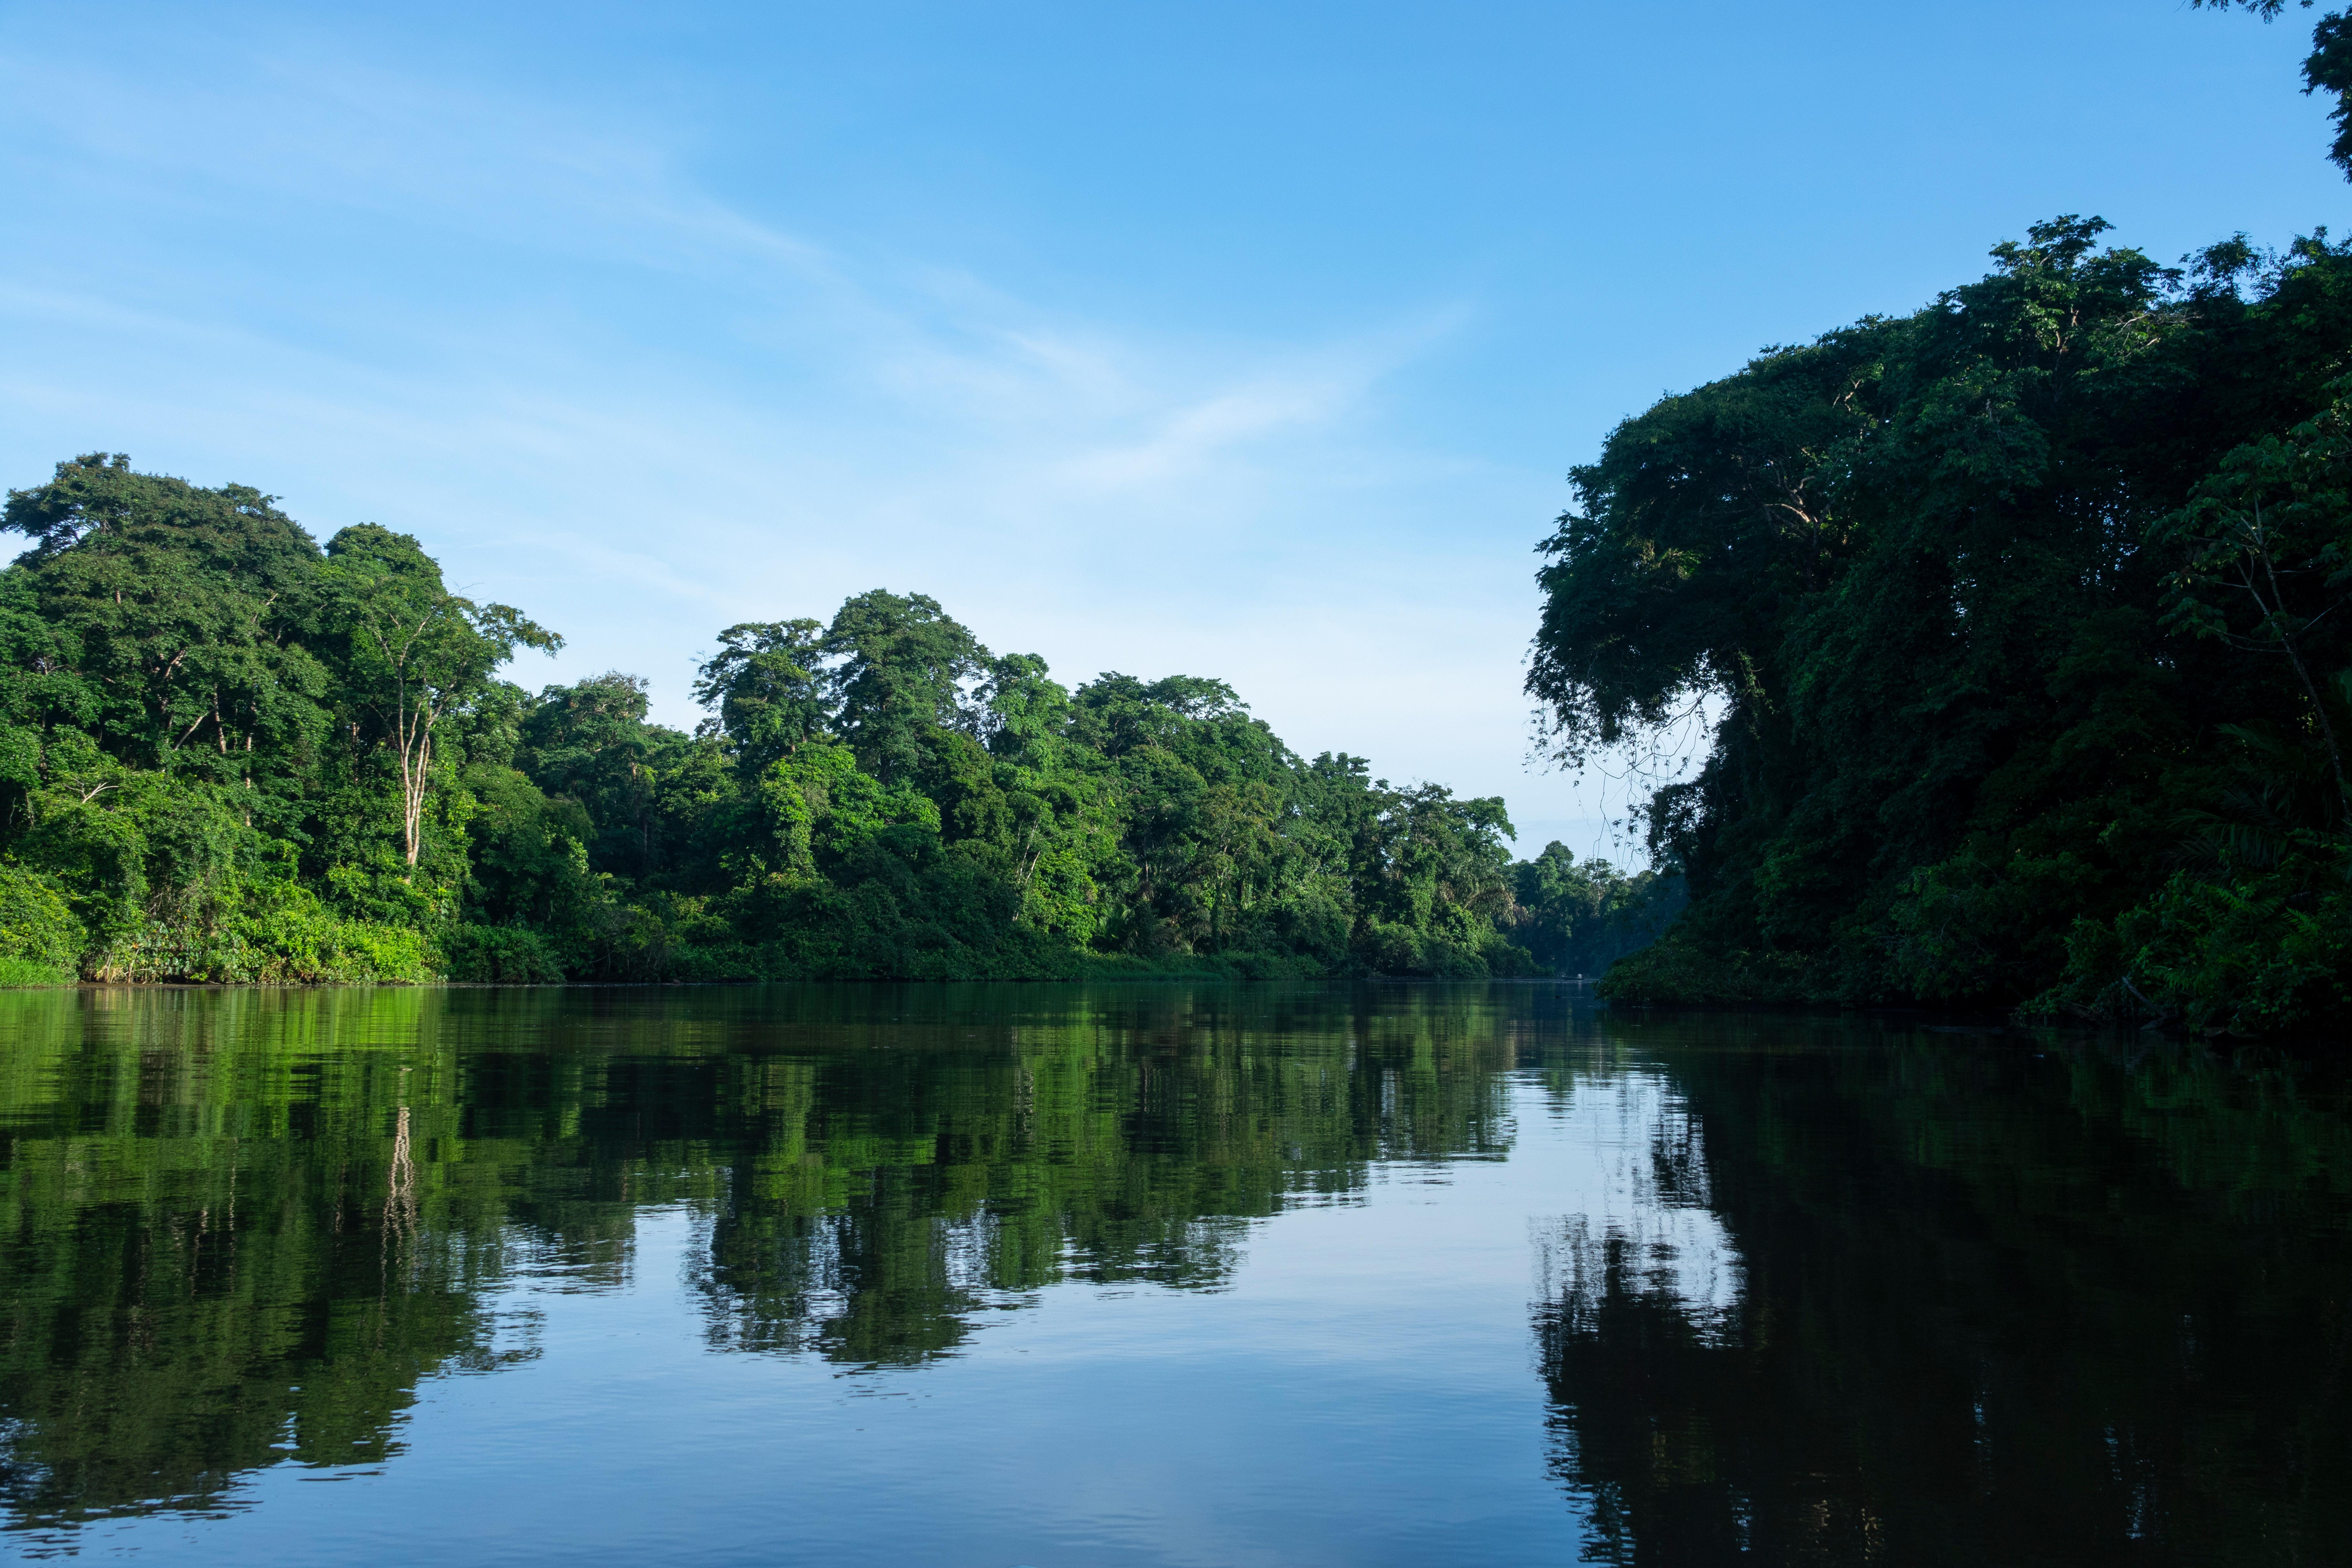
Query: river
pixel 1072 1277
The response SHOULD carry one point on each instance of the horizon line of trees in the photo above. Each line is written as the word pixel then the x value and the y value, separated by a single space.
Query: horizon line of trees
pixel 229 754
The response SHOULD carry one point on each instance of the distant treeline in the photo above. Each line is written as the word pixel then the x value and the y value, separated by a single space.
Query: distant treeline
pixel 2020 624
pixel 229 755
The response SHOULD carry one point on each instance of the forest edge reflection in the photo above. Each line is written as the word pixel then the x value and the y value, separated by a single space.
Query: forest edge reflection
pixel 2078 1289
pixel 237 1215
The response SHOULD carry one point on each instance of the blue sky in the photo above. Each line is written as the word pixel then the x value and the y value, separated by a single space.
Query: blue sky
pixel 1244 340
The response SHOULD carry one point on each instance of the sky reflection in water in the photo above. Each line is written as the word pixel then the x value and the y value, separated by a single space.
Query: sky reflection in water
pixel 1151 1275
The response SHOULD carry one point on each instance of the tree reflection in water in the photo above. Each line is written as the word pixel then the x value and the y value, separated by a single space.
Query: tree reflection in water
pixel 1992 1305
pixel 1838 1294
pixel 239 1227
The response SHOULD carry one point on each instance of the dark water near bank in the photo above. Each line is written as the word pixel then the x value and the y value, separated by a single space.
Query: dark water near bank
pixel 1077 1275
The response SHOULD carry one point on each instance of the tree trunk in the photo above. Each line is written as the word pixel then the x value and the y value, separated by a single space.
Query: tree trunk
pixel 415 760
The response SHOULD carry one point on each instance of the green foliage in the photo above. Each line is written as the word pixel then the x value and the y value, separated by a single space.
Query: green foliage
pixel 1981 606
pixel 36 925
pixel 162 624
pixel 501 955
pixel 764 685
pixel 227 754
pixel 898 680
pixel 410 652
pixel 1580 918
pixel 25 971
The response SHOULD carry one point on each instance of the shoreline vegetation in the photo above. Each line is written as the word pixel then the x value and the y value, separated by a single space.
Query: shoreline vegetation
pixel 2016 631
pixel 229 755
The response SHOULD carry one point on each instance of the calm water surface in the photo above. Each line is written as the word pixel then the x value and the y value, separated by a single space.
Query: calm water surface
pixel 1070 1276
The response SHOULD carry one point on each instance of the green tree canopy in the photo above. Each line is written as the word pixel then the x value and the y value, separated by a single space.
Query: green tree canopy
pixel 1974 601
pixel 412 650
pixel 903 671
pixel 226 754
pixel 767 685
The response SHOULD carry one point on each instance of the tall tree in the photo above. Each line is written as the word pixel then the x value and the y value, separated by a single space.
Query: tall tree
pixel 2266 544
pixel 1918 575
pixel 768 687
pixel 590 743
pixel 903 669
pixel 166 620
pixel 414 650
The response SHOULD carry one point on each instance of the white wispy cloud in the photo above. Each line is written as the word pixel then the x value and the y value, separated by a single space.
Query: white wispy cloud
pixel 535 338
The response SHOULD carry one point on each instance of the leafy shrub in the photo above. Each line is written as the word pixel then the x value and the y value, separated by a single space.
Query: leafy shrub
pixel 500 955
pixel 2255 957
pixel 274 933
pixel 37 927
pixel 25 971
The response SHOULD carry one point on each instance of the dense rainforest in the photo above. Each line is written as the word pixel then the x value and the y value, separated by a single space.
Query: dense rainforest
pixel 228 753
pixel 2017 630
